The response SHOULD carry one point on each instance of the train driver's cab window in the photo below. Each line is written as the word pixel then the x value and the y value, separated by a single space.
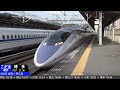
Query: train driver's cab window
pixel 64 36
pixel 7 36
pixel 3 36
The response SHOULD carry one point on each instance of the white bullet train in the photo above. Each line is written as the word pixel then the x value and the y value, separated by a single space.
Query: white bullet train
pixel 59 44
pixel 16 39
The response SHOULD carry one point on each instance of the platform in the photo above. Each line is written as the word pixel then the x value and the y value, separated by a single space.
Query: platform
pixel 91 60
pixel 103 60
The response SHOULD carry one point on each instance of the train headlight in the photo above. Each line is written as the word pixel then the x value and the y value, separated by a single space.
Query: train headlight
pixel 58 43
pixel 45 43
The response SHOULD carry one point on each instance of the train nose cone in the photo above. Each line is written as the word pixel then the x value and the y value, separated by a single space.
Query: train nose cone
pixel 44 53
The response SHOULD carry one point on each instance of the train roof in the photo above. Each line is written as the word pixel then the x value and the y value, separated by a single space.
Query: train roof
pixel 6 28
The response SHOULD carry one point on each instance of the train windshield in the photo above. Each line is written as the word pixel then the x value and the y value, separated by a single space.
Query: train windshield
pixel 57 38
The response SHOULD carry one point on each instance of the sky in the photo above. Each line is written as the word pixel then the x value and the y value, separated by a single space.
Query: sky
pixel 52 15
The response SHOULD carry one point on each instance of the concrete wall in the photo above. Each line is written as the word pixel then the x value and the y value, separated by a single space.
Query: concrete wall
pixel 108 34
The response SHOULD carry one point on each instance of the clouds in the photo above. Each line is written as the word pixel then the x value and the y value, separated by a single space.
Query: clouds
pixel 55 12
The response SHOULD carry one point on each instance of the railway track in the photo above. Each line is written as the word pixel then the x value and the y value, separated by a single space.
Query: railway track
pixel 25 57
pixel 16 58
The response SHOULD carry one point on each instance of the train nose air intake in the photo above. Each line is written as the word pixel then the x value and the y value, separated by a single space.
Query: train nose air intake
pixel 45 52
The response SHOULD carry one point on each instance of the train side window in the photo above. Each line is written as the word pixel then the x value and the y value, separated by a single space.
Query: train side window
pixel 15 36
pixel 11 36
pixel 7 36
pixel 21 36
pixel 24 36
pixel 18 36
pixel 3 36
pixel 27 36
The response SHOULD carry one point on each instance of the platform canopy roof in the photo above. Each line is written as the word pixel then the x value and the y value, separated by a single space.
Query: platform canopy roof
pixel 108 17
